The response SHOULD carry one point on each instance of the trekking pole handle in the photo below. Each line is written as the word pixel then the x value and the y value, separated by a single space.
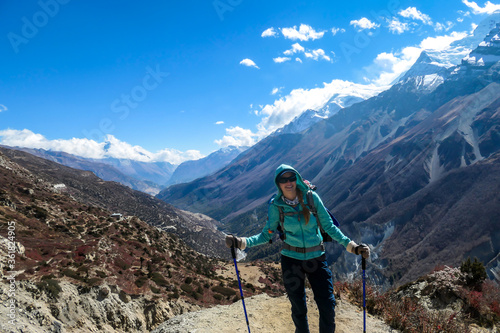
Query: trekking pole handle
pixel 363 263
pixel 233 252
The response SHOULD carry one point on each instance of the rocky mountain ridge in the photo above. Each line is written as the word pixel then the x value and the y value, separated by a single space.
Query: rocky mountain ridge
pixel 79 267
pixel 102 170
pixel 197 230
pixel 147 177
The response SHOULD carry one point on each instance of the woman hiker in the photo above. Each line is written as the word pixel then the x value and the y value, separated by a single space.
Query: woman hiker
pixel 303 252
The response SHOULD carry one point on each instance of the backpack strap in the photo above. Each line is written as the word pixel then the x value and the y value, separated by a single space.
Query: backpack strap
pixel 281 227
pixel 312 208
pixel 310 204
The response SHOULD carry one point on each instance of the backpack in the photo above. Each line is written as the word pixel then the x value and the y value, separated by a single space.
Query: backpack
pixel 312 208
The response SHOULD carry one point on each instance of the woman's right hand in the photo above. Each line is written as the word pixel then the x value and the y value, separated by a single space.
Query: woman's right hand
pixel 237 242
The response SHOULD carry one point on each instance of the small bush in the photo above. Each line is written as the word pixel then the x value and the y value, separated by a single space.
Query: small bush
pixel 94 281
pixel 39 212
pixel 141 281
pixel 72 274
pixel 122 264
pixel 224 291
pixel 250 286
pixel 159 279
pixel 50 287
pixel 475 272
pixel 100 274
pixel 188 289
pixel 123 297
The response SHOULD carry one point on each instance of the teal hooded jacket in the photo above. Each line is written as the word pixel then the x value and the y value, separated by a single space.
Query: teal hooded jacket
pixel 298 233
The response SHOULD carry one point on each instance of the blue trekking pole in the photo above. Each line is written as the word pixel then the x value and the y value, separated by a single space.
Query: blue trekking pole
pixel 239 284
pixel 363 265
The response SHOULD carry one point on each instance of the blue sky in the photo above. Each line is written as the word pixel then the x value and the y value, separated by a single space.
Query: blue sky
pixel 177 80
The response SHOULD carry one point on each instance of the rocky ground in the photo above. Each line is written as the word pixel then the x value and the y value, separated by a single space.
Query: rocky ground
pixel 99 309
pixel 105 309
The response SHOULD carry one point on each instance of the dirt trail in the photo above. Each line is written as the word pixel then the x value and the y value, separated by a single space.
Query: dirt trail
pixel 267 314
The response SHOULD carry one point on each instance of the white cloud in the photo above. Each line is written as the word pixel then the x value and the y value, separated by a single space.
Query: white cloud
pixel 176 157
pixel 398 27
pixel 219 122
pixel 284 109
pixel 443 26
pixel 110 147
pixel 464 13
pixel 237 136
pixel 269 33
pixel 363 24
pixel 3 108
pixel 415 14
pixel 248 62
pixel 337 30
pixel 296 48
pixel 298 60
pixel 389 66
pixel 304 33
pixel 489 8
pixel 279 60
pixel 441 43
pixel 276 90
pixel 317 54
pixel 26 138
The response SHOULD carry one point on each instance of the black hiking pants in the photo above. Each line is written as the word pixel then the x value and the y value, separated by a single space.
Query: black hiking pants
pixel 320 278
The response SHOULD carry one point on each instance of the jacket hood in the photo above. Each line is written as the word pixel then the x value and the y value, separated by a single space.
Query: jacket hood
pixel 284 168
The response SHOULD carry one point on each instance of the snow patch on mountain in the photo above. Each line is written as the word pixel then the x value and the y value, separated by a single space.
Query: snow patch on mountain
pixel 345 96
pixel 302 122
pixel 433 66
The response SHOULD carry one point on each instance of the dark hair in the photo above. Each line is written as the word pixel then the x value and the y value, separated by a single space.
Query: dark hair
pixel 305 210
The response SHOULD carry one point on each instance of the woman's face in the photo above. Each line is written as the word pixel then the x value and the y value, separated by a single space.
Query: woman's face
pixel 290 186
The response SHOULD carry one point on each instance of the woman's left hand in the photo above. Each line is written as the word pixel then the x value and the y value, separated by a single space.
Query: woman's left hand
pixel 363 249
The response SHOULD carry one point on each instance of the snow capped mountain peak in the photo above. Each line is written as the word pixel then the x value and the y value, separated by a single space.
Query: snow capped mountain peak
pixel 432 68
pixel 488 51
pixel 427 73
